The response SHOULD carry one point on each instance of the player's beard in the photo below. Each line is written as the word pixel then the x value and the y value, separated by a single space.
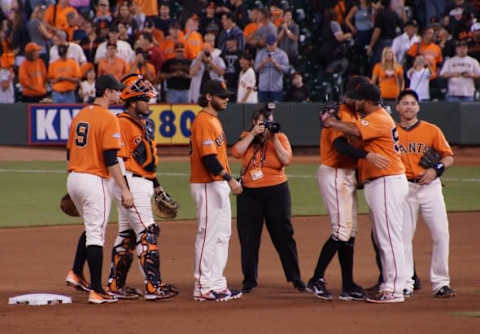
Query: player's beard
pixel 217 106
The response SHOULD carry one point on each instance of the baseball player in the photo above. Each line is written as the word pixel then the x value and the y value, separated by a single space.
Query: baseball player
pixel 92 158
pixel 137 229
pixel 210 185
pixel 425 190
pixel 385 189
pixel 337 182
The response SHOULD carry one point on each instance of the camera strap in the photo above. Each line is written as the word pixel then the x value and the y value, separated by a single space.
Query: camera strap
pixel 253 159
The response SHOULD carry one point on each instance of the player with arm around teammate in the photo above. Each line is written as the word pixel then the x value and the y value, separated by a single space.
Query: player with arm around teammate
pixel 137 230
pixel 210 184
pixel 385 189
pixel 92 147
pixel 337 182
pixel 425 190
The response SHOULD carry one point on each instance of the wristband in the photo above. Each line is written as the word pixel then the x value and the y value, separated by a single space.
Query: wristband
pixel 439 169
pixel 227 177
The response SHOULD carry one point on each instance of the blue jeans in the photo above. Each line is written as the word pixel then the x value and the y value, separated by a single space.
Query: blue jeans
pixel 264 96
pixel 451 98
pixel 176 96
pixel 67 97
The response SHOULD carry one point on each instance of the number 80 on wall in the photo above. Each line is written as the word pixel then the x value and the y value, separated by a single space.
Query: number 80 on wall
pixel 173 123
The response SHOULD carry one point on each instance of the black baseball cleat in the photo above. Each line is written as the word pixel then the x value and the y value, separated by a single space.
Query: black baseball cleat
pixel 445 292
pixel 299 285
pixel 353 294
pixel 318 288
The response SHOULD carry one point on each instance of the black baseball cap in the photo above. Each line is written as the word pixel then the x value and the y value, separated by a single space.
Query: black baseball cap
pixel 366 91
pixel 108 81
pixel 353 82
pixel 217 88
pixel 406 92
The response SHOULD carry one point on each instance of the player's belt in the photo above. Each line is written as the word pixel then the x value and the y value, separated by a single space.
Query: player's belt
pixel 416 180
pixel 137 175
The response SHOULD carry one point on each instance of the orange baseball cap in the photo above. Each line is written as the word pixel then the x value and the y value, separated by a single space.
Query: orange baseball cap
pixel 32 46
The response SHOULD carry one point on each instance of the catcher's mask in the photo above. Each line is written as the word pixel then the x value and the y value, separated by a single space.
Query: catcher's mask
pixel 137 88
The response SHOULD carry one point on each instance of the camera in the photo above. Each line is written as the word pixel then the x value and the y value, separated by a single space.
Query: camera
pixel 272 126
pixel 207 54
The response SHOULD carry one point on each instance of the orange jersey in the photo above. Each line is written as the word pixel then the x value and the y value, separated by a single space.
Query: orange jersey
pixel 328 155
pixel 265 159
pixel 415 141
pixel 207 138
pixel 32 75
pixel 116 67
pixel 93 131
pixel 379 135
pixel 67 68
pixel 60 19
pixel 133 135
pixel 193 44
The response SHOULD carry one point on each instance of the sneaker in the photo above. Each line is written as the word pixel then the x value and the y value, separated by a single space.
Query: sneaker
pixel 299 285
pixel 123 293
pixel 247 289
pixel 407 293
pixel 218 296
pixel 318 288
pixel 417 285
pixel 355 293
pixel 163 291
pixel 445 292
pixel 385 297
pixel 97 297
pixel 77 282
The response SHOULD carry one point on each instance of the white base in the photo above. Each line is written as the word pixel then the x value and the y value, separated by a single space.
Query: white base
pixel 39 299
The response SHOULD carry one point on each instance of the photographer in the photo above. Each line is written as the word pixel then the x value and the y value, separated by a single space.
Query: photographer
pixel 265 152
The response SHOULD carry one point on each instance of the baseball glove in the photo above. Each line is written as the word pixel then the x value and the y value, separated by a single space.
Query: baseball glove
pixel 430 159
pixel 67 206
pixel 328 110
pixel 163 205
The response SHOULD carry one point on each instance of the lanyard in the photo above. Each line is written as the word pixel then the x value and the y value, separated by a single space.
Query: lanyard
pixel 262 154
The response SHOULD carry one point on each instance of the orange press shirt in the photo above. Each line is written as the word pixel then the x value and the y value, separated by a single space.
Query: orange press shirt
pixel 207 138
pixel 265 159
pixel 379 135
pixel 388 80
pixel 328 155
pixel 64 68
pixel 415 140
pixel 133 133
pixel 94 130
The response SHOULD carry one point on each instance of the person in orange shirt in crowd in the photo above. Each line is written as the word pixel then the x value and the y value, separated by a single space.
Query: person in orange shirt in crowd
pixel 193 40
pixel 276 14
pixel 143 67
pixel 112 64
pixel 153 53
pixel 56 15
pixel 265 151
pixel 148 7
pixel 175 36
pixel 250 28
pixel 431 51
pixel 389 75
pixel 157 34
pixel 64 74
pixel 103 12
pixel 32 75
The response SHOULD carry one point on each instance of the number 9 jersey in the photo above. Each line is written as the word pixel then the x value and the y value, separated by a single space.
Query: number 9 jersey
pixel 94 130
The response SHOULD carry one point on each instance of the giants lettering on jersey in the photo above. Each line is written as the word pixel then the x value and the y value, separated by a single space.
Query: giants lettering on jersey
pixel 220 139
pixel 414 148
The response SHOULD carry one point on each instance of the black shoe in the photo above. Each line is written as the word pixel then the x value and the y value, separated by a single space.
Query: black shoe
pixel 248 289
pixel 319 289
pixel 299 285
pixel 354 293
pixel 417 285
pixel 445 292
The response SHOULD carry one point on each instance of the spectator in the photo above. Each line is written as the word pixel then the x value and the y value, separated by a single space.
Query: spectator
pixel 56 15
pixel 124 50
pixel 176 77
pixel 398 6
pixel 125 17
pixel 240 13
pixel 157 34
pixel 386 23
pixel 74 22
pixel 363 14
pixel 123 34
pixel 163 21
pixel 402 43
pixel 89 43
pixel 193 40
pixel 152 52
pixel 474 47
pixel 288 34
pixel 458 11
pixel 103 12
pixel 209 20
pixel 389 75
pixel 86 92
pixel 247 82
pixel 426 47
pixel 175 36
pixel 461 72
pixel 230 31
pixel 148 7
pixel 139 17
pixel 297 91
pixel 81 6
pixel 74 51
pixel 64 75
pixel 37 30
pixel 19 35
pixel 276 14
pixel 446 43
pixel 419 76
pixel 250 29
pixel 207 66
pixel 112 64
pixel 231 57
pixel 271 63
pixel 32 75
pixel 264 29
pixel 143 67
pixel 7 94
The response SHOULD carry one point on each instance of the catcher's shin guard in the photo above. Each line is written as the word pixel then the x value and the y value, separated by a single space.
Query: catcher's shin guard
pixel 122 257
pixel 147 251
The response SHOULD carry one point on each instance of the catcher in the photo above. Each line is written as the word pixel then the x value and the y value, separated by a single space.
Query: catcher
pixel 137 228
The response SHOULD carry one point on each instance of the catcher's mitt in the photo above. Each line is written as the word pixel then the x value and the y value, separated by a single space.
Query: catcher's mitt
pixel 430 159
pixel 328 110
pixel 67 206
pixel 163 205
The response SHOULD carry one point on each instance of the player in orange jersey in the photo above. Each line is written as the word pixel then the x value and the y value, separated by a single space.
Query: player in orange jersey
pixel 210 185
pixel 137 229
pixel 425 190
pixel 385 188
pixel 92 158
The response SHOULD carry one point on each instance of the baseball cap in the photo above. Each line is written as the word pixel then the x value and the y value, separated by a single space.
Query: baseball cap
pixel 32 46
pixel 366 91
pixel 217 88
pixel 406 92
pixel 108 81
pixel 271 39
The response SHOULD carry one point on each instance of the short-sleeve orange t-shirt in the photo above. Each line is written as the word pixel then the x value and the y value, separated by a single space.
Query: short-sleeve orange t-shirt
pixel 388 80
pixel 94 130
pixel 64 68
pixel 60 20
pixel 431 52
pixel 32 75
pixel 116 67
pixel 193 45
pixel 207 138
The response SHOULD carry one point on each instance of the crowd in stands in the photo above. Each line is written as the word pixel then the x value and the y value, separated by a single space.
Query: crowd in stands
pixel 271 50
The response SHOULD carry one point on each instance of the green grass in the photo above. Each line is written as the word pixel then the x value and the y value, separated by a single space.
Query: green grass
pixel 31 191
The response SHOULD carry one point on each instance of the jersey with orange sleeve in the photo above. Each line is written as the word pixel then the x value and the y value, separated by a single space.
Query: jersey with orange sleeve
pixel 379 135
pixel 328 155
pixel 415 140
pixel 207 138
pixel 94 130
